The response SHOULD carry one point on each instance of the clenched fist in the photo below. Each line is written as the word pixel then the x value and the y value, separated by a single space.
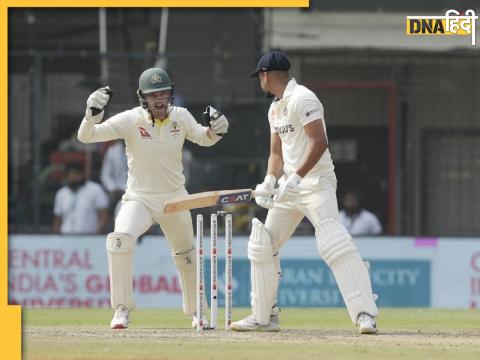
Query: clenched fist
pixel 216 120
pixel 96 103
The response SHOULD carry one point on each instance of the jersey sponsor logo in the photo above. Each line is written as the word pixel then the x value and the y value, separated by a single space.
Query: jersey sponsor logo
pixel 284 129
pixel 311 112
pixel 144 133
pixel 234 198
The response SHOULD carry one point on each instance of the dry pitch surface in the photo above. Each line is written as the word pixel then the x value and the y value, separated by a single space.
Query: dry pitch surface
pixel 306 334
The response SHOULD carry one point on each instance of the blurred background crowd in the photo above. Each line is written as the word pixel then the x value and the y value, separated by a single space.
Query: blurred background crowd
pixel 402 113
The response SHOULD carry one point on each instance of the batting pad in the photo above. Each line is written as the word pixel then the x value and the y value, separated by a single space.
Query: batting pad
pixel 186 263
pixel 341 255
pixel 265 272
pixel 120 248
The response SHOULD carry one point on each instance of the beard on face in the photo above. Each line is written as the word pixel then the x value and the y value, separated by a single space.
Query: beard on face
pixel 159 111
pixel 269 95
pixel 352 210
pixel 75 185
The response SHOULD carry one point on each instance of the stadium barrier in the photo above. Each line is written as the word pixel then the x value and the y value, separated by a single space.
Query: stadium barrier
pixel 72 271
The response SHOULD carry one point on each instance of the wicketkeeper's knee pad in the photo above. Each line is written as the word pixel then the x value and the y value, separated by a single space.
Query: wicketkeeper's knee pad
pixel 120 249
pixel 341 255
pixel 265 272
pixel 186 263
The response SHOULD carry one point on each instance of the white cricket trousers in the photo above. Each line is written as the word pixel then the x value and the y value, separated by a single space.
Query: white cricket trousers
pixel 135 217
pixel 137 213
pixel 334 243
pixel 316 205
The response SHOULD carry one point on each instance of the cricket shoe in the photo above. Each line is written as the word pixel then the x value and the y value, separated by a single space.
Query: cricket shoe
pixel 366 324
pixel 204 322
pixel 250 324
pixel 120 318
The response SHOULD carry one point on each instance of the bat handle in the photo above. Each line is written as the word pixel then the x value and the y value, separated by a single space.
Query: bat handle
pixel 268 193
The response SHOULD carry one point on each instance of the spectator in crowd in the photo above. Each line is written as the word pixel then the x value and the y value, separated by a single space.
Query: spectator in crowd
pixel 114 173
pixel 357 220
pixel 81 206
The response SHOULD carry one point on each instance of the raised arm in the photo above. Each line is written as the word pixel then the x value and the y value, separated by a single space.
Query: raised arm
pixel 206 136
pixel 90 129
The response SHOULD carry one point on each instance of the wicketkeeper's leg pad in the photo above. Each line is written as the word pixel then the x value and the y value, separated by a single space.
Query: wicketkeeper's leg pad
pixel 120 249
pixel 186 263
pixel 265 272
pixel 341 255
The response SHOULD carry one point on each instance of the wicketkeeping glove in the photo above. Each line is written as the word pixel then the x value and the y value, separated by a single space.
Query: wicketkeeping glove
pixel 290 188
pixel 96 103
pixel 268 184
pixel 216 120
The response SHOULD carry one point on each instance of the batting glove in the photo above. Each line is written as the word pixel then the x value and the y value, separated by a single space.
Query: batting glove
pixel 96 103
pixel 290 188
pixel 216 120
pixel 267 185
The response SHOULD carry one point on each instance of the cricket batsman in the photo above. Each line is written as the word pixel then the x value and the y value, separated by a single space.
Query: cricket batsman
pixel 154 134
pixel 299 149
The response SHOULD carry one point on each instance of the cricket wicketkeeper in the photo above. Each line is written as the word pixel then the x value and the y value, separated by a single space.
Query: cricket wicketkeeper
pixel 299 150
pixel 154 134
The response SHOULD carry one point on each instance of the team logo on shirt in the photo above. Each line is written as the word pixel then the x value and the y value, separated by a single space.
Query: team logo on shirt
pixel 144 133
pixel 284 129
pixel 174 130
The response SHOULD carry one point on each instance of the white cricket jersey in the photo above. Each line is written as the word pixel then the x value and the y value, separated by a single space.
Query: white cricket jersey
pixel 114 172
pixel 154 153
pixel 363 223
pixel 287 116
pixel 79 209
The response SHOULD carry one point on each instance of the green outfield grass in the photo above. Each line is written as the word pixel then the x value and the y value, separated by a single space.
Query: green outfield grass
pixel 306 334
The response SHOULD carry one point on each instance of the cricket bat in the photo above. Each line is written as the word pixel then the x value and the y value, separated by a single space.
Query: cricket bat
pixel 213 198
